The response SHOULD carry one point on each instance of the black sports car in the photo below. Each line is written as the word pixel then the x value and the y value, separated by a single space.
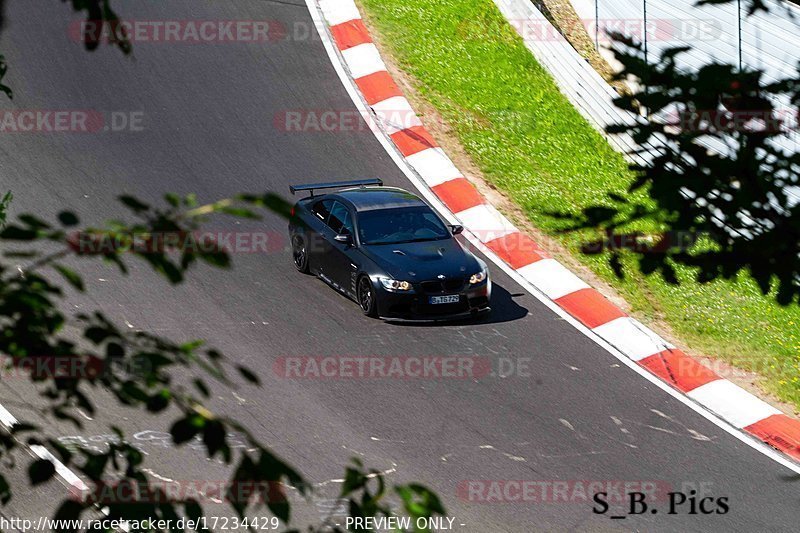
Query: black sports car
pixel 388 250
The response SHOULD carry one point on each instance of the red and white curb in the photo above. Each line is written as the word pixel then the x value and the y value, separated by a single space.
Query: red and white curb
pixel 498 236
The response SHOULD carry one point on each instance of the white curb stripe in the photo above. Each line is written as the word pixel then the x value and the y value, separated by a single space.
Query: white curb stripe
pixel 338 11
pixel 632 338
pixel 733 403
pixel 363 60
pixel 434 166
pixel 486 222
pixel 6 417
pixel 552 278
pixel 396 114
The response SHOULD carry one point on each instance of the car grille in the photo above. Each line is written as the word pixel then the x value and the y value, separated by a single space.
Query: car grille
pixel 442 286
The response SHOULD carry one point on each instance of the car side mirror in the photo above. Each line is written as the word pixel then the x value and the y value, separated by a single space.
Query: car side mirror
pixel 456 229
pixel 344 238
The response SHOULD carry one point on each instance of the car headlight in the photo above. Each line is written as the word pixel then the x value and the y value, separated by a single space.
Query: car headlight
pixel 480 277
pixel 395 285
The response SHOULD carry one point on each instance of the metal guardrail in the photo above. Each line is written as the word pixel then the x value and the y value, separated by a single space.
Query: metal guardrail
pixel 583 86
pixel 768 41
pixel 724 32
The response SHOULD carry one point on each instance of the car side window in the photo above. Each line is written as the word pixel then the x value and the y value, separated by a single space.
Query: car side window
pixel 322 209
pixel 340 220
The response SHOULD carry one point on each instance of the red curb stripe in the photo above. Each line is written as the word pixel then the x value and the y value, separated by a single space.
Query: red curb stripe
pixel 779 431
pixel 458 194
pixel 516 249
pixel 350 34
pixel 590 307
pixel 413 140
pixel 377 87
pixel 679 370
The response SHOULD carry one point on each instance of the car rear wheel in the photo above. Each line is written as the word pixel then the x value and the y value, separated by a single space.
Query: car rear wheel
pixel 300 254
pixel 366 297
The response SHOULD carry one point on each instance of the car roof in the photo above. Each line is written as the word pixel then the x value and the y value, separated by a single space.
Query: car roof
pixel 372 198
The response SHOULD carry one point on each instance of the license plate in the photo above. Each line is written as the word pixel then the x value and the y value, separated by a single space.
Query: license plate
pixel 445 299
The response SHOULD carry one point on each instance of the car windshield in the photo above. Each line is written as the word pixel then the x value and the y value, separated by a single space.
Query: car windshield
pixel 400 225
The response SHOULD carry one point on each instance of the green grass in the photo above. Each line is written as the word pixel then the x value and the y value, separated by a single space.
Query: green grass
pixel 530 142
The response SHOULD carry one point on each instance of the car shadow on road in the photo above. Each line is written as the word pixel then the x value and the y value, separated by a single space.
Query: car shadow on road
pixel 504 309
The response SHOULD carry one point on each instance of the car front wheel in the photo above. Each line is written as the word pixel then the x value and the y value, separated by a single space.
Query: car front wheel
pixel 366 297
pixel 300 254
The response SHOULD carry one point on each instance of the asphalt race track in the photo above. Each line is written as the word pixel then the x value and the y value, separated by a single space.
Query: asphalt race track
pixel 569 411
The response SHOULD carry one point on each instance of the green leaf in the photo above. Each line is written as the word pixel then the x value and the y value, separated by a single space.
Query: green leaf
pixel 71 276
pixel 280 509
pixel 248 375
pixel 34 222
pixel 21 254
pixel 40 471
pixel 63 452
pixel 183 431
pixel 114 350
pixel 194 511
pixel 214 437
pixel 172 199
pixel 95 465
pixel 5 490
pixel 15 233
pixel 96 334
pixel 240 212
pixel 158 402
pixel 217 259
pixel 201 386
pixel 3 87
pixel 133 203
pixel 68 515
pixel 62 414
pixel 419 500
pixel 23 427
pixel 68 218
pixel 354 479
pixel 270 201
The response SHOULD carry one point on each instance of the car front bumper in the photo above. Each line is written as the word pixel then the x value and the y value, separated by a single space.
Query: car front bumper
pixel 416 306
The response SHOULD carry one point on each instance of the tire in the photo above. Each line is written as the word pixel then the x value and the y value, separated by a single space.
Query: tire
pixel 366 297
pixel 300 254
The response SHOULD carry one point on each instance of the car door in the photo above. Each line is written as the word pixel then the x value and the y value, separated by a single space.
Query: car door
pixel 340 267
pixel 318 245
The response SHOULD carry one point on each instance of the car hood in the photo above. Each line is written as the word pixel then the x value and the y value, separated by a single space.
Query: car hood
pixel 421 261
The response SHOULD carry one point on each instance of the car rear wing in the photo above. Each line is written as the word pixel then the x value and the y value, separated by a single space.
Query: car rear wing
pixel 311 187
